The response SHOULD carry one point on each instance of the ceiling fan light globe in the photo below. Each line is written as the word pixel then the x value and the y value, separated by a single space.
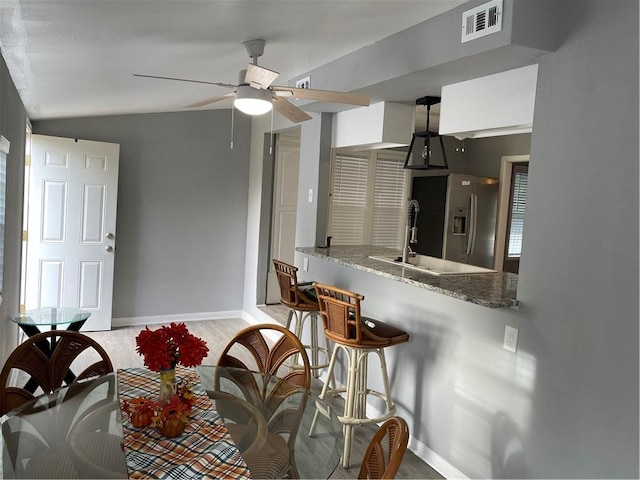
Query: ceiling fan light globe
pixel 253 101
pixel 252 106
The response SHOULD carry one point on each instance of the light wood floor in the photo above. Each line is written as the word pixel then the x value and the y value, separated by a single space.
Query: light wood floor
pixel 120 345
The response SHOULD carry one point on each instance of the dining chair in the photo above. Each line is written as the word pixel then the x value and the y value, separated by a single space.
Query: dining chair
pixel 95 451
pixel 386 450
pixel 236 411
pixel 43 437
pixel 250 345
pixel 303 305
pixel 358 337
pixel 255 348
pixel 47 361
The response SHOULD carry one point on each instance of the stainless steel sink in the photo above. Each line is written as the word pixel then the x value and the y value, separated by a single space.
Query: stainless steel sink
pixel 435 266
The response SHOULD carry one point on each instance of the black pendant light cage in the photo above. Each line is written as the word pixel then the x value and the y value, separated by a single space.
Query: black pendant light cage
pixel 421 142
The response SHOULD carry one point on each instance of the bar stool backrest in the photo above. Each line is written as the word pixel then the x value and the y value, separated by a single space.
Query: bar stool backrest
pixel 287 279
pixel 340 310
pixel 290 293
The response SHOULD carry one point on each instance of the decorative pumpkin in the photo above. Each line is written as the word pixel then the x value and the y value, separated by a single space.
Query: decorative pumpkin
pixel 141 419
pixel 173 427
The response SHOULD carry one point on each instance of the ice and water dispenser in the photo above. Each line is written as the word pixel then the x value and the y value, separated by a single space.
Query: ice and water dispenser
pixel 459 226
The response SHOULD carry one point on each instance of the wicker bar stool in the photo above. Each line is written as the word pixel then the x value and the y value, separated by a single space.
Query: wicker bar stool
pixel 303 304
pixel 358 337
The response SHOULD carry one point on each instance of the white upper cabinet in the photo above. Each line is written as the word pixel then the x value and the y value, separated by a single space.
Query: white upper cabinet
pixel 499 104
pixel 380 125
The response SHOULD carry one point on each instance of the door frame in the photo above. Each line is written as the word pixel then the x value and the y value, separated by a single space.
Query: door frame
pixel 104 311
pixel 506 168
pixel 288 139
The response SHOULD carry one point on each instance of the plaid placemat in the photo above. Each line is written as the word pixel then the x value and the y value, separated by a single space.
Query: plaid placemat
pixel 205 449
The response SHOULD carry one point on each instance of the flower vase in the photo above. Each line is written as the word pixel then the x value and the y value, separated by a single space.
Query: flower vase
pixel 167 385
pixel 172 428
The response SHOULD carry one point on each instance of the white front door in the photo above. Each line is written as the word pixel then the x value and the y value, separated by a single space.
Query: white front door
pixel 71 227
pixel 285 204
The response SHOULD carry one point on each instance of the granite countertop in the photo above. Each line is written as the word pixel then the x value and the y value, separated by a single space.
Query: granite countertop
pixel 493 290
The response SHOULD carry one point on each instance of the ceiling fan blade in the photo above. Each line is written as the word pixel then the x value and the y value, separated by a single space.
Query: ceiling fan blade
pixel 259 77
pixel 211 100
pixel 323 95
pixel 184 80
pixel 289 110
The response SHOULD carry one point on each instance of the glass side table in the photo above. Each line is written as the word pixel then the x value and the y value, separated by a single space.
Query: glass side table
pixel 31 320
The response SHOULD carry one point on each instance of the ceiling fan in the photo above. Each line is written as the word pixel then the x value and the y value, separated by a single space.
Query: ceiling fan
pixel 255 94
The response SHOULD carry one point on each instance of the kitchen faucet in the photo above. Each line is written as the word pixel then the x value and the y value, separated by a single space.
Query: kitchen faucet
pixel 411 230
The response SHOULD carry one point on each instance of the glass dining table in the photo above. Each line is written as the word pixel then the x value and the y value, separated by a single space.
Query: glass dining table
pixel 79 430
pixel 286 409
pixel 45 437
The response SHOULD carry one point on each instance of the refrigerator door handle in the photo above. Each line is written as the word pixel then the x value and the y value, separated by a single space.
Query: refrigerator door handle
pixel 472 224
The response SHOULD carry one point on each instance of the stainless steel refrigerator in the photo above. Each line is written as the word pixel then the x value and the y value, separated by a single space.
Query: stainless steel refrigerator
pixel 457 217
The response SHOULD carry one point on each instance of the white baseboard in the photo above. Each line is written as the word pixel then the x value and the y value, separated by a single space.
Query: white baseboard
pixel 180 317
pixel 435 461
pixel 429 457
pixel 258 316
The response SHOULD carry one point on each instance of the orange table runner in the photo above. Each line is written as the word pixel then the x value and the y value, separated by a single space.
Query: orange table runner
pixel 205 449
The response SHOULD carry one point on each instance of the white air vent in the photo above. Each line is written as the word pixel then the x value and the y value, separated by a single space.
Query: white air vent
pixel 482 20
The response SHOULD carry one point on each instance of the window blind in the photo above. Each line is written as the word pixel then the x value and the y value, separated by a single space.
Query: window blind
pixel 516 228
pixel 348 202
pixel 387 228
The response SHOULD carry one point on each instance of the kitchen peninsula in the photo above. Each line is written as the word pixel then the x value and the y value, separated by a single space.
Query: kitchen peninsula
pixel 493 290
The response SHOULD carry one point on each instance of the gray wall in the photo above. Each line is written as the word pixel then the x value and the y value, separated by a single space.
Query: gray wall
pixel 568 400
pixel 579 272
pixel 13 120
pixel 182 208
pixel 566 404
pixel 483 156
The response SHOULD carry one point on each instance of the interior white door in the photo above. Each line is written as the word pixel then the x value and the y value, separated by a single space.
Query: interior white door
pixel 71 226
pixel 283 234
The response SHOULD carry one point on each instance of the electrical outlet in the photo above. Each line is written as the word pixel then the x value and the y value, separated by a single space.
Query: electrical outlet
pixel 304 82
pixel 510 339
pixel 305 264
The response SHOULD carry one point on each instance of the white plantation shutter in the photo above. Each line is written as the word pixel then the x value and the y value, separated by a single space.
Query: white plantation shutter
pixel 367 199
pixel 516 229
pixel 387 228
pixel 348 202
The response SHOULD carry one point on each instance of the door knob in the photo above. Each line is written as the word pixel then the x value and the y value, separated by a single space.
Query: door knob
pixel 109 248
pixel 110 236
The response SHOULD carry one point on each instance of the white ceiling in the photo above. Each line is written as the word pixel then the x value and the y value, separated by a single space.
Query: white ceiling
pixel 71 58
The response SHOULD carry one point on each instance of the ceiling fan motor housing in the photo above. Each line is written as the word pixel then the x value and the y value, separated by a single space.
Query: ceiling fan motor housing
pixel 255 49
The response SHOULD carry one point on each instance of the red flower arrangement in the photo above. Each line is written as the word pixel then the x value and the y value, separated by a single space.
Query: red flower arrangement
pixel 167 347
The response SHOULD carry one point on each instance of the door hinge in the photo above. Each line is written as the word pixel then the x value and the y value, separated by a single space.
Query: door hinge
pixel 27 160
pixel 25 236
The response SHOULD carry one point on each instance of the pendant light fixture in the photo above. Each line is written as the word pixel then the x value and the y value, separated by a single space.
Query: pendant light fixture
pixel 420 146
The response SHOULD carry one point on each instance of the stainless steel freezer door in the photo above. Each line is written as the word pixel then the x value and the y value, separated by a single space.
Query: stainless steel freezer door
pixel 458 219
pixel 486 191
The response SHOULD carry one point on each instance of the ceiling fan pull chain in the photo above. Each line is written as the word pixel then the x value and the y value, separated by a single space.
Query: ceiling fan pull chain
pixel 271 139
pixel 232 121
